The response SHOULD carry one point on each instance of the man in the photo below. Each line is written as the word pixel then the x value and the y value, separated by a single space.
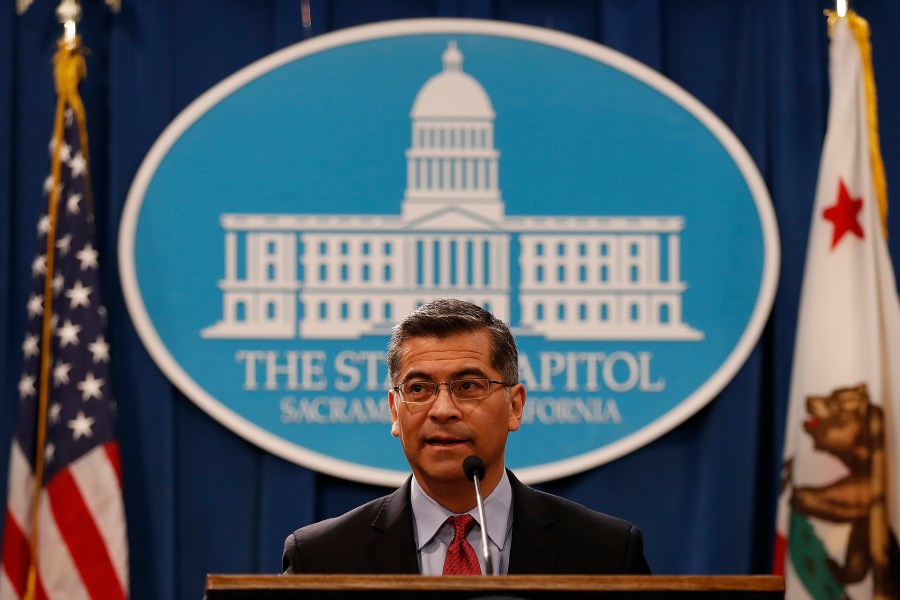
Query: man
pixel 456 393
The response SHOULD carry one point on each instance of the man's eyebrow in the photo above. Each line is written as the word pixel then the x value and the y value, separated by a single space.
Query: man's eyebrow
pixel 417 375
pixel 470 372
pixel 423 376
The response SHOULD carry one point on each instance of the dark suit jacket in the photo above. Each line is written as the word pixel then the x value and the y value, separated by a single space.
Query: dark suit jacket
pixel 551 535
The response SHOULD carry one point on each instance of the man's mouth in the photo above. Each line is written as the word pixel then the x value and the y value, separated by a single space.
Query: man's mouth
pixel 444 441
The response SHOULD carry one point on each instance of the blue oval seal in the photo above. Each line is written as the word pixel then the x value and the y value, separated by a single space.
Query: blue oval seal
pixel 292 214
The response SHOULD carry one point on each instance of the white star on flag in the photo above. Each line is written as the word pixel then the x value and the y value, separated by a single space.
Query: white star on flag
pixel 35 306
pixel 90 387
pixel 58 283
pixel 44 225
pixel 39 266
pixel 64 244
pixel 77 164
pixel 88 257
pixel 54 413
pixel 61 373
pixel 78 295
pixel 49 451
pixel 26 386
pixel 72 204
pixel 100 350
pixel 81 426
pixel 30 346
pixel 68 334
pixel 65 152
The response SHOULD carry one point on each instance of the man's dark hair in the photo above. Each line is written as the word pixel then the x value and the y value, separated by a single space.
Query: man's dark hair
pixel 446 317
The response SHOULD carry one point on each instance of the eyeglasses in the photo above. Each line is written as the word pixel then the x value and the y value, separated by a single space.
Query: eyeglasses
pixel 423 392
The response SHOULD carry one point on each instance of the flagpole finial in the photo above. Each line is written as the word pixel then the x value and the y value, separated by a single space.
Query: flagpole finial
pixel 841 7
pixel 23 5
pixel 69 14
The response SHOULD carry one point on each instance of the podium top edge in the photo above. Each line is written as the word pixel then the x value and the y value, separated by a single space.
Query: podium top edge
pixel 561 583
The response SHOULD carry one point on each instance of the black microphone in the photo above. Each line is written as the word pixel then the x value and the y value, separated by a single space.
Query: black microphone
pixel 473 467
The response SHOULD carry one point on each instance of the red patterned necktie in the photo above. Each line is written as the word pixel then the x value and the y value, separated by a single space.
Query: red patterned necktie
pixel 461 558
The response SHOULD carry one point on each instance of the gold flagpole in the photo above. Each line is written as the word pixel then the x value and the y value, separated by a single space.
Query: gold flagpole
pixel 860 28
pixel 861 32
pixel 68 69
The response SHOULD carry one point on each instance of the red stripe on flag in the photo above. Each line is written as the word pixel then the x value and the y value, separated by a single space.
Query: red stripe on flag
pixel 40 593
pixel 16 554
pixel 112 452
pixel 84 541
pixel 778 566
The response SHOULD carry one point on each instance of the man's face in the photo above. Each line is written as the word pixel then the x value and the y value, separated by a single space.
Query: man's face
pixel 438 436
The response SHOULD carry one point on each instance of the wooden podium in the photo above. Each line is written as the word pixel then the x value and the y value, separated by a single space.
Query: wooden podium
pixel 511 587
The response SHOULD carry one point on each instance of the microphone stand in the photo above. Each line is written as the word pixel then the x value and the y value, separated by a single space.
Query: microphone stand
pixel 488 567
pixel 473 468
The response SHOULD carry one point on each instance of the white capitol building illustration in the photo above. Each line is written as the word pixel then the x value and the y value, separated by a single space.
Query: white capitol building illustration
pixel 344 276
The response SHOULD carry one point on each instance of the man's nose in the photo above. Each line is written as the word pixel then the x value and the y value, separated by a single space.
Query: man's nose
pixel 444 406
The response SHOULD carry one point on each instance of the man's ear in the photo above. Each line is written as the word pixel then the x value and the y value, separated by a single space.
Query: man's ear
pixel 395 419
pixel 516 405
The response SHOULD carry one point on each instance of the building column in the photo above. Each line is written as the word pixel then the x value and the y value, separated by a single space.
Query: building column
pixel 402 258
pixel 477 264
pixel 674 258
pixel 289 258
pixel 445 262
pixel 462 264
pixel 616 276
pixel 490 250
pixel 433 176
pixel 231 256
pixel 427 263
pixel 497 263
pixel 253 270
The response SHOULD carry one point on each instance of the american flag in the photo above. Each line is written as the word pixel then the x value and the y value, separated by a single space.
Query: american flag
pixel 81 549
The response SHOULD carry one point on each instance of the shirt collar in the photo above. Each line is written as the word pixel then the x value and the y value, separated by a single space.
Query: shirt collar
pixel 429 515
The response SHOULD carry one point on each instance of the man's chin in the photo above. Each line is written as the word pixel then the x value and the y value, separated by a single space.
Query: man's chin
pixel 445 467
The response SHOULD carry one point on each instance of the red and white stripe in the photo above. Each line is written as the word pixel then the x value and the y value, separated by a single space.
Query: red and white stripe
pixel 82 548
pixel 17 526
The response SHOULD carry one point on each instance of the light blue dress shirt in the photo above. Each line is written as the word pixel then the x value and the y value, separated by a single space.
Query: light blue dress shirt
pixel 433 534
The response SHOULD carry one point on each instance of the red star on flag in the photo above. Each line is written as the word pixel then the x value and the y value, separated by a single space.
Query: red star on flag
pixel 843 215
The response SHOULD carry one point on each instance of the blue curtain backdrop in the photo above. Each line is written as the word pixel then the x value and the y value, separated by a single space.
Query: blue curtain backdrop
pixel 198 498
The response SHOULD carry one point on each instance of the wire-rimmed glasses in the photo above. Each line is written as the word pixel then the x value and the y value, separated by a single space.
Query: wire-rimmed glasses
pixel 423 392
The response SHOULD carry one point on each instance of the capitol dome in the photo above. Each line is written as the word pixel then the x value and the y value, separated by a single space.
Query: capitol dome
pixel 452 93
pixel 452 164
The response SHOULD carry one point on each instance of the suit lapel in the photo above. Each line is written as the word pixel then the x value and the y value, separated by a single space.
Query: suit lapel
pixel 535 546
pixel 392 548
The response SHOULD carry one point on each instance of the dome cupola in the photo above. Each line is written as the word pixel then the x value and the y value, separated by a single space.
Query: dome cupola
pixel 452 93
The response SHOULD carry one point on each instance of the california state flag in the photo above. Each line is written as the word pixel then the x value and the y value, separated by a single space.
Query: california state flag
pixel 839 508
